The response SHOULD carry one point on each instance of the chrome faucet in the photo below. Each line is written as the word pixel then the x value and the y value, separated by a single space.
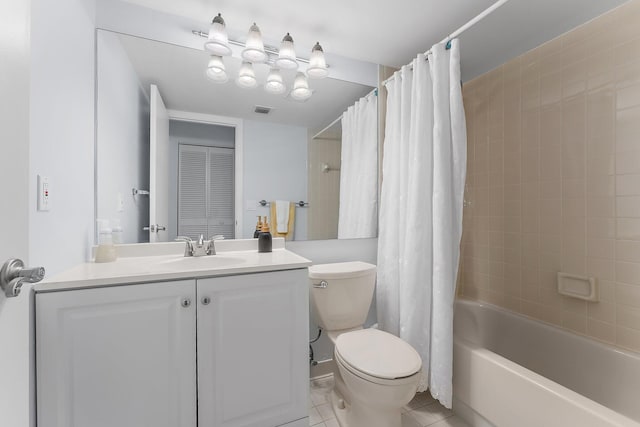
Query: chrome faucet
pixel 201 247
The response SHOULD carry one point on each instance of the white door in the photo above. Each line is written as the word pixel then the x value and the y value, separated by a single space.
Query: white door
pixel 14 213
pixel 158 169
pixel 253 343
pixel 117 356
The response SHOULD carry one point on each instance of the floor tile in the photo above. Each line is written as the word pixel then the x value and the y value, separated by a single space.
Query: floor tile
pixel 422 411
pixel 314 417
pixel 450 422
pixel 326 411
pixel 420 400
pixel 332 423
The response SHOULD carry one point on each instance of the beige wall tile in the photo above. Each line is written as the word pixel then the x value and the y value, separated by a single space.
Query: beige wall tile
pixel 628 317
pixel 628 207
pixel 554 176
pixel 602 331
pixel 628 272
pixel 627 185
pixel 628 228
pixel 601 248
pixel 628 338
pixel 602 311
pixel 628 250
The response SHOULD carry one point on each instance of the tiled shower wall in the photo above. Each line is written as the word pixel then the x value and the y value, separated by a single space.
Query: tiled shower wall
pixel 554 179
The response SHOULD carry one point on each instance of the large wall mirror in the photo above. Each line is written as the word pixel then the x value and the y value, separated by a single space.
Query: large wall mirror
pixel 182 155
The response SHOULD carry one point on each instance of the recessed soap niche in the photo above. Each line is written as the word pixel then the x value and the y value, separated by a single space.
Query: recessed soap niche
pixel 580 287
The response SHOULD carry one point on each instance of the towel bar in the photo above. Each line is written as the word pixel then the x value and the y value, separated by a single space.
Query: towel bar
pixel 300 204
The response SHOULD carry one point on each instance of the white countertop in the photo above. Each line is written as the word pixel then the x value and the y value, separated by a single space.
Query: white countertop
pixel 174 266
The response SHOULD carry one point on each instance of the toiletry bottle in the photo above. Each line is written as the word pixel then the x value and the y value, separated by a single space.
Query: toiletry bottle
pixel 264 239
pixel 105 252
pixel 258 228
pixel 116 232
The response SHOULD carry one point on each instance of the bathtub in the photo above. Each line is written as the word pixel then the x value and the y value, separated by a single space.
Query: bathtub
pixel 512 371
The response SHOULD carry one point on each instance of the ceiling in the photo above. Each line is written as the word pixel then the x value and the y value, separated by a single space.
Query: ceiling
pixel 179 73
pixel 392 33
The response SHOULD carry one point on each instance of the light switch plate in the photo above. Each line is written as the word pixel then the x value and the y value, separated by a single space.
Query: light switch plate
pixel 44 193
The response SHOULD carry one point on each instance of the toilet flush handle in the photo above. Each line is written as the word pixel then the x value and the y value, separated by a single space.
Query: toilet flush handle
pixel 323 284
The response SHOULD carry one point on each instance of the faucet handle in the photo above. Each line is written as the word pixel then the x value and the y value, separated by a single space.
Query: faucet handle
pixel 217 237
pixel 188 249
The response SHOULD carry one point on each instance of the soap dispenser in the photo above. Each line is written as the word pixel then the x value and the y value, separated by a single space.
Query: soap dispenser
pixel 265 243
pixel 105 252
pixel 256 233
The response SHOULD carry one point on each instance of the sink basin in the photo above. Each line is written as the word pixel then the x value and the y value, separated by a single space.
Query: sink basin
pixel 202 262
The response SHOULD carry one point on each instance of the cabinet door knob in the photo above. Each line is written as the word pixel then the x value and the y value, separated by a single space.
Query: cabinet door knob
pixel 186 302
pixel 206 300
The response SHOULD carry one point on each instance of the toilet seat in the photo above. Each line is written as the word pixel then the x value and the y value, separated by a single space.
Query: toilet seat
pixel 378 357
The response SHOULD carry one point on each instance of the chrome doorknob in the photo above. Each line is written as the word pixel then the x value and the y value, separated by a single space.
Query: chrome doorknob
pixel 13 275
pixel 154 228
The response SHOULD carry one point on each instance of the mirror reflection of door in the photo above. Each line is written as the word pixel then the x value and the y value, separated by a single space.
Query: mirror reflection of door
pixel 205 191
pixel 159 168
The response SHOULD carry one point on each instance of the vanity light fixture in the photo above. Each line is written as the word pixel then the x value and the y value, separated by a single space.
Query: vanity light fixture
pixel 317 65
pixel 254 48
pixel 216 70
pixel 255 52
pixel 275 82
pixel 287 54
pixel 218 41
pixel 301 91
pixel 246 76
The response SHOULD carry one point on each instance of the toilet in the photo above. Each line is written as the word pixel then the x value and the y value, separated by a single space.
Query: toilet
pixel 376 373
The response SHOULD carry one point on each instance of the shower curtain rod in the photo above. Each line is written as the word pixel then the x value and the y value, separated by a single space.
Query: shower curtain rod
pixel 462 29
pixel 374 91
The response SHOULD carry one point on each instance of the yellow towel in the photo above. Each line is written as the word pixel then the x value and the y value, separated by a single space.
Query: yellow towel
pixel 273 222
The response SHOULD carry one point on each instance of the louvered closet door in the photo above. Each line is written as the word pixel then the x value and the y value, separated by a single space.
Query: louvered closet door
pixel 206 192
pixel 221 197
pixel 192 191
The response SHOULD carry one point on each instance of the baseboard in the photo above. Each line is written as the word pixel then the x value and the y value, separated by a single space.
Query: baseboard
pixel 324 367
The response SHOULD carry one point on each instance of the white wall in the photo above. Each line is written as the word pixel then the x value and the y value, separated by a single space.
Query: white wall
pixel 122 131
pixel 14 178
pixel 62 131
pixel 270 147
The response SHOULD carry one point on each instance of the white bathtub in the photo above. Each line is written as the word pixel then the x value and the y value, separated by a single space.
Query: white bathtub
pixel 512 371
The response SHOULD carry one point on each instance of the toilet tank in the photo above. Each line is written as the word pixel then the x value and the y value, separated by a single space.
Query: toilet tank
pixel 344 302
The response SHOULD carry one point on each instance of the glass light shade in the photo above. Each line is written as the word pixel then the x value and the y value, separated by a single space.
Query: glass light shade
pixel 287 54
pixel 275 82
pixel 246 77
pixel 254 48
pixel 301 89
pixel 216 70
pixel 218 40
pixel 317 66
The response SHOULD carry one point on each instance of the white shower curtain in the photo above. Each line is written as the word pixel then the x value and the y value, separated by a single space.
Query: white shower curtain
pixel 424 170
pixel 358 211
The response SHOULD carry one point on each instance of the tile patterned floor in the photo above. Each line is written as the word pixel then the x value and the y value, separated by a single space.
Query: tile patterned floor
pixel 422 411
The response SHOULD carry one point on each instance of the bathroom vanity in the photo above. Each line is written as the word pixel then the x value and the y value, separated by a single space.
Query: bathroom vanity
pixel 165 340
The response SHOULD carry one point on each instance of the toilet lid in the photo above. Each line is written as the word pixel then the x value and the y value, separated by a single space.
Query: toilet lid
pixel 341 270
pixel 378 354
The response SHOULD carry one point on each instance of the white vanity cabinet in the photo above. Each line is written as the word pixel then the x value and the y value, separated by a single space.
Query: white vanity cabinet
pixel 214 352
pixel 253 350
pixel 117 356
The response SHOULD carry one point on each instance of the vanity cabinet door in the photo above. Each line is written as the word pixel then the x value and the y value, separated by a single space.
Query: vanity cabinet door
pixel 117 356
pixel 253 343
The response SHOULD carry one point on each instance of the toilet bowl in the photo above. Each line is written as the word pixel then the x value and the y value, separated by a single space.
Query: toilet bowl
pixel 376 373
